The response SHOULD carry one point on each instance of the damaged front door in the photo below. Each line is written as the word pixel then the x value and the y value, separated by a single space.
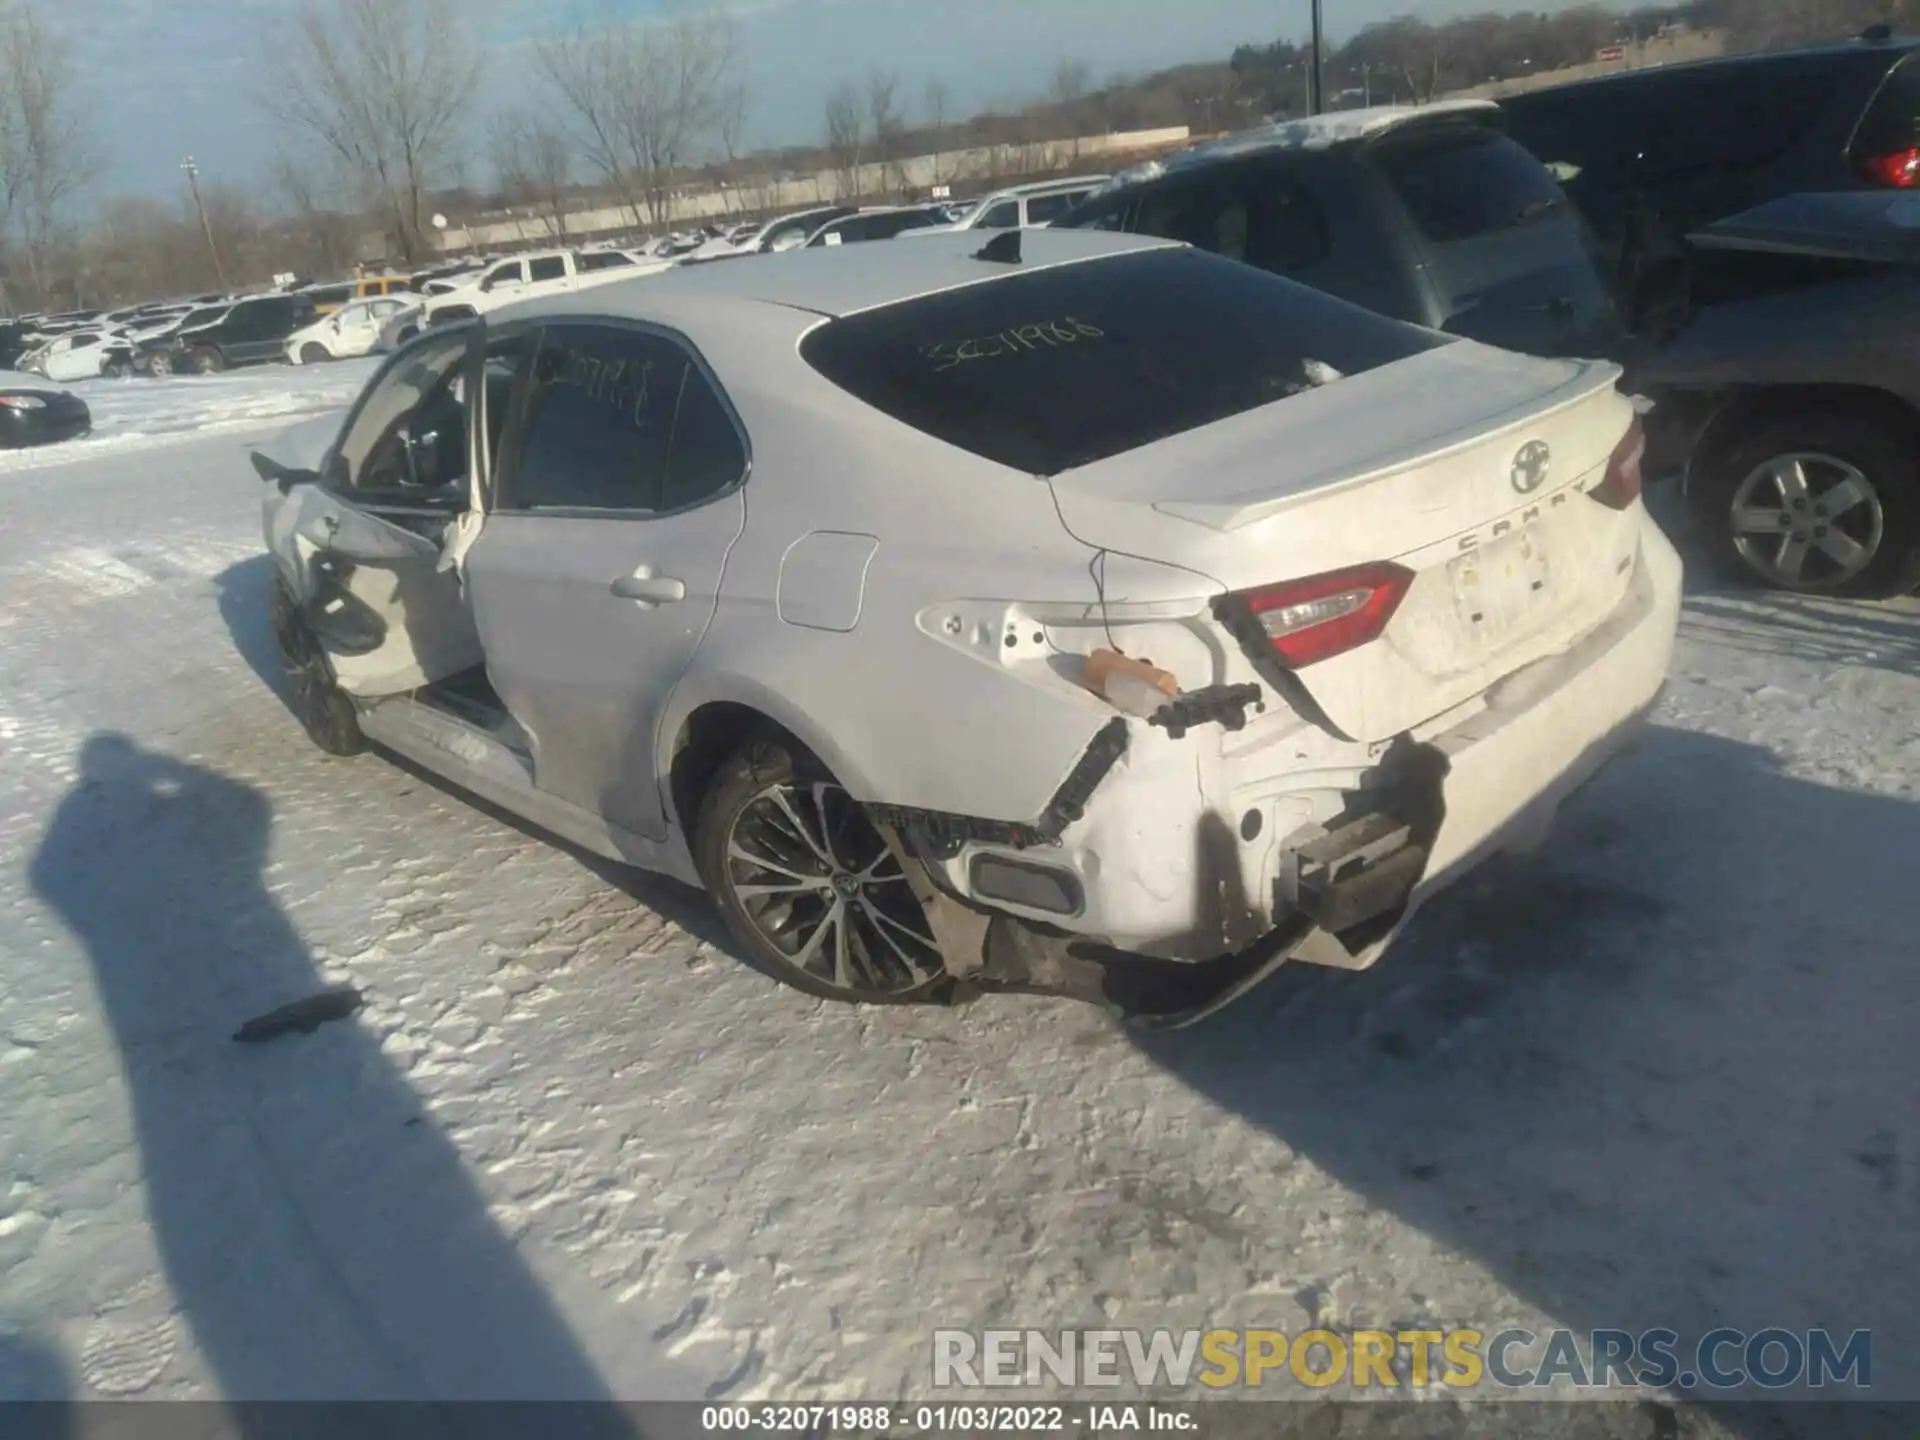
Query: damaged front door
pixel 362 539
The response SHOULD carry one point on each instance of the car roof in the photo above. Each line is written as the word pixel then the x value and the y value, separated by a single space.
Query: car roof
pixel 836 280
pixel 1892 49
pixel 801 214
pixel 1314 132
pixel 1041 187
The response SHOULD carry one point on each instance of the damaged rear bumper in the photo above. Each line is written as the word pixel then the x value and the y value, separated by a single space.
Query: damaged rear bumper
pixel 1233 850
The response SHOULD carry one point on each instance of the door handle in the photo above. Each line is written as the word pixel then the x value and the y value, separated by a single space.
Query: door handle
pixel 649 589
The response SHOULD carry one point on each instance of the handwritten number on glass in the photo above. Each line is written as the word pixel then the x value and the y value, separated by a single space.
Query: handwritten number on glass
pixel 1015 340
pixel 623 385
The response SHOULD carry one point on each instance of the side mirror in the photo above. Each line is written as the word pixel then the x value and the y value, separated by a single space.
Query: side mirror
pixel 279 475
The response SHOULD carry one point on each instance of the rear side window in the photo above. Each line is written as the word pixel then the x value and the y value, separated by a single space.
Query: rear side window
pixel 1004 216
pixel 547 267
pixel 602 260
pixel 1891 125
pixel 249 321
pixel 1044 209
pixel 1254 215
pixel 1512 260
pixel 1742 117
pixel 620 419
pixel 916 220
pixel 1060 367
pixel 1108 212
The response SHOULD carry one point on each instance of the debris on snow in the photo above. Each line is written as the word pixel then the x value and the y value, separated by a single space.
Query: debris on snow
pixel 302 1016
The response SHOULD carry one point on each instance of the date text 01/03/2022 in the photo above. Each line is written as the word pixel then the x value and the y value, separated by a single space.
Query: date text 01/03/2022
pixel 945 1419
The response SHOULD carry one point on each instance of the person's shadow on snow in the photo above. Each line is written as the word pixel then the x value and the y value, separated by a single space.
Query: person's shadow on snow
pixel 35 1390
pixel 320 1233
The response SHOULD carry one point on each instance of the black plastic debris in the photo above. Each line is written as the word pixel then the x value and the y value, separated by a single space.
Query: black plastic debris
pixel 1003 249
pixel 302 1017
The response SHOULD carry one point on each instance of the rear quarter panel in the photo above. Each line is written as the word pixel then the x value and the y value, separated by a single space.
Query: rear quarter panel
pixel 902 711
pixel 1852 332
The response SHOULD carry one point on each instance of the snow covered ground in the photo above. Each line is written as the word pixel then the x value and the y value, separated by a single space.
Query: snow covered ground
pixel 141 412
pixel 1662 1073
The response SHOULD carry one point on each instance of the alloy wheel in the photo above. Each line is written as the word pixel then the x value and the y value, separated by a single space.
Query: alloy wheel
pixel 1807 521
pixel 821 887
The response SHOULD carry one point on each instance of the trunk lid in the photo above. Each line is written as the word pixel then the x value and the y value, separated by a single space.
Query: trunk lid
pixel 1465 465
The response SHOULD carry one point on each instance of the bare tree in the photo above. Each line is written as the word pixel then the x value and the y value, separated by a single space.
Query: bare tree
pixel 887 125
pixel 1069 83
pixel 846 138
pixel 320 237
pixel 46 154
pixel 644 100
pixel 730 126
pixel 383 86
pixel 533 162
pixel 1067 88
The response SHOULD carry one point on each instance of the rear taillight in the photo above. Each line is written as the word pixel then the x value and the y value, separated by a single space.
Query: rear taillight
pixel 1324 615
pixel 1897 170
pixel 1621 487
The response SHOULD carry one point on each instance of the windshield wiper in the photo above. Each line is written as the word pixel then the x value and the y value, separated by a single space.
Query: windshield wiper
pixel 1532 211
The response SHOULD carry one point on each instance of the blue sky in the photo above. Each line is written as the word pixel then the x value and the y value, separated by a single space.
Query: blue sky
pixel 167 78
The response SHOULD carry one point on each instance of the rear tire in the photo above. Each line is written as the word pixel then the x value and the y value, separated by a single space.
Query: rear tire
pixel 208 362
pixel 117 369
pixel 323 709
pixel 314 353
pixel 807 885
pixel 1860 542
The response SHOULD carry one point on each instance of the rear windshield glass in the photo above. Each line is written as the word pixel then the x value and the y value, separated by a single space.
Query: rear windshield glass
pixel 1514 262
pixel 1064 366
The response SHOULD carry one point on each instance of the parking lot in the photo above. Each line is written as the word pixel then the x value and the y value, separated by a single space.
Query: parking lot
pixel 1660 1072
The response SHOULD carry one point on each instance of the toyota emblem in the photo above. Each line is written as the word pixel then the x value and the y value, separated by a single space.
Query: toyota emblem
pixel 1530 467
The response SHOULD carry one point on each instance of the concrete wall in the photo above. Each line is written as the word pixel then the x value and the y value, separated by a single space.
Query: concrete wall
pixel 1668 50
pixel 878 184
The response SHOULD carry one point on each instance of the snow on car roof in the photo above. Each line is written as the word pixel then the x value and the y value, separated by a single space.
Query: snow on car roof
pixel 1315 132
pixel 839 280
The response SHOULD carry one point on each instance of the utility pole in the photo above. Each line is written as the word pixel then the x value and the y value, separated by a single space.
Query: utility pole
pixel 193 183
pixel 1316 93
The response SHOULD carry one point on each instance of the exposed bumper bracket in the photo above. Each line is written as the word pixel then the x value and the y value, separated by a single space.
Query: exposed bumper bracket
pixel 1362 868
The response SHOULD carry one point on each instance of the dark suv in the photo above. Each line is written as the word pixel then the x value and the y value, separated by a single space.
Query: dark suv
pixel 249 332
pixel 1430 215
pixel 1651 156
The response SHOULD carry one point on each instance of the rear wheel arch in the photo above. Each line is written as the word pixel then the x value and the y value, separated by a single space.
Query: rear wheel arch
pixel 1755 404
pixel 706 736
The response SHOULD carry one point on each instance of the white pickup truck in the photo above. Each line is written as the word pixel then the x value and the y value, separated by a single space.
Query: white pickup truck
pixel 543 272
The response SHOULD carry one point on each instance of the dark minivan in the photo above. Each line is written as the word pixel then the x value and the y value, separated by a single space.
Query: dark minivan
pixel 1430 214
pixel 1650 156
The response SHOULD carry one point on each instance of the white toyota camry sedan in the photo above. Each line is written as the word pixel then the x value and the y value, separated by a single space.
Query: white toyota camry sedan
pixel 1046 612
